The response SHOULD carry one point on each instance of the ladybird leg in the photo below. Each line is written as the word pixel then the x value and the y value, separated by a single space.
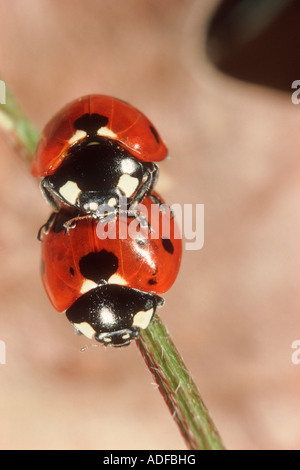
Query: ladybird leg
pixel 163 207
pixel 159 301
pixel 151 175
pixel 48 195
pixel 134 212
pixel 155 199
pixel 71 223
pixel 46 227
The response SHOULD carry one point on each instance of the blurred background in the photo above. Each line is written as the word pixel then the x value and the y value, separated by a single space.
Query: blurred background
pixel 215 78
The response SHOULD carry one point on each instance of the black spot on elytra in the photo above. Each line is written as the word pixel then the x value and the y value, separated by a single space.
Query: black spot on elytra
pixel 72 272
pixel 152 282
pixel 154 132
pixel 98 266
pixel 168 245
pixel 90 123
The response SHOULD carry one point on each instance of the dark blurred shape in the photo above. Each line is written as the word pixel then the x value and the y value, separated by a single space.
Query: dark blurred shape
pixel 257 41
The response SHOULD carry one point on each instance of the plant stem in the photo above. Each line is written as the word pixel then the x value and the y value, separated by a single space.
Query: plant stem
pixel 158 350
pixel 17 129
pixel 178 388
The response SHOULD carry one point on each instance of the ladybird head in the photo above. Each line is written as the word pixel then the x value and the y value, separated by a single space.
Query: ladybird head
pixel 113 314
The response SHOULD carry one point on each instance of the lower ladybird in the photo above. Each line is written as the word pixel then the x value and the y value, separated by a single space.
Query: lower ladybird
pixel 107 274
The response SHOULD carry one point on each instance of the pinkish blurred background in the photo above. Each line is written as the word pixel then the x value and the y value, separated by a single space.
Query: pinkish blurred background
pixel 234 310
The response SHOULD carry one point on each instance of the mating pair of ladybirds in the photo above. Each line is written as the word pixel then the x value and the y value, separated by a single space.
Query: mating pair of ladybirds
pixel 96 152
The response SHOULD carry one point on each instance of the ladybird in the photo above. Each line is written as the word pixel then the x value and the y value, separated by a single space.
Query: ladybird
pixel 110 286
pixel 96 149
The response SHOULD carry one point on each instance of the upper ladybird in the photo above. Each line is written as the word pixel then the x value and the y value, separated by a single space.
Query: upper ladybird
pixel 95 150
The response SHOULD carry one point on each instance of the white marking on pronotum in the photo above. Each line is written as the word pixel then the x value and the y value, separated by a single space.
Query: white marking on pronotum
pixel 106 132
pixel 128 184
pixel 79 134
pixel 93 206
pixel 142 319
pixel 112 202
pixel 70 191
pixel 106 339
pixel 107 317
pixel 87 285
pixel 117 279
pixel 85 328
pixel 128 166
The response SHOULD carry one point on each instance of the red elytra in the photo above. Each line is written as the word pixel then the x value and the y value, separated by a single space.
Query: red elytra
pixel 76 261
pixel 126 124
